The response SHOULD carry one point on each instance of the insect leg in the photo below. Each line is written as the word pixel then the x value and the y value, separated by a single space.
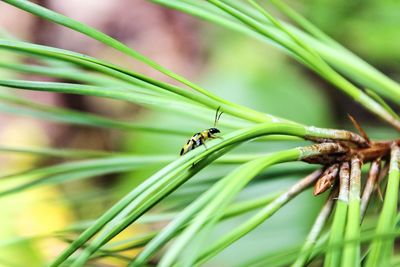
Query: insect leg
pixel 202 142
pixel 213 136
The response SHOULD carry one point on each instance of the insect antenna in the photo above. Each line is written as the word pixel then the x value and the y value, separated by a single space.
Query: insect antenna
pixel 217 116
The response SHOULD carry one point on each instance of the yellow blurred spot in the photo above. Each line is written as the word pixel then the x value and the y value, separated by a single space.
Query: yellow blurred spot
pixel 31 213
pixel 20 133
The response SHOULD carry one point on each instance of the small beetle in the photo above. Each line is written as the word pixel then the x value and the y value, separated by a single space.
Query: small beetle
pixel 198 139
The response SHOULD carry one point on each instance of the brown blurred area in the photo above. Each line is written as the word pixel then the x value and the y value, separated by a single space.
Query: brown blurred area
pixel 168 37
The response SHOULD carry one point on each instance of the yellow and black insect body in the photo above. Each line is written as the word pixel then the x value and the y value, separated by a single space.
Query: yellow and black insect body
pixel 199 139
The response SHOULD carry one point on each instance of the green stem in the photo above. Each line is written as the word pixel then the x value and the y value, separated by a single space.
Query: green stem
pixel 311 240
pixel 335 54
pixel 160 184
pixel 257 219
pixel 95 34
pixel 233 210
pixel 333 256
pixel 351 252
pixel 381 250
pixel 221 194
pixel 67 73
pixel 308 56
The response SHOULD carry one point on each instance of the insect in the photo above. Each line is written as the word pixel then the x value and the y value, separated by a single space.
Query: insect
pixel 198 139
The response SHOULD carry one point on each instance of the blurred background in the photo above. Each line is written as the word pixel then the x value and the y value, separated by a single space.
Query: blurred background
pixel 232 65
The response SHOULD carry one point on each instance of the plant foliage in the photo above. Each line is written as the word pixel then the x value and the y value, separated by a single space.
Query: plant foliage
pixel 191 211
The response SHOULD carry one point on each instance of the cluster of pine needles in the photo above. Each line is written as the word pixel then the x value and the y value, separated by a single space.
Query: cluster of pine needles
pixel 183 236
